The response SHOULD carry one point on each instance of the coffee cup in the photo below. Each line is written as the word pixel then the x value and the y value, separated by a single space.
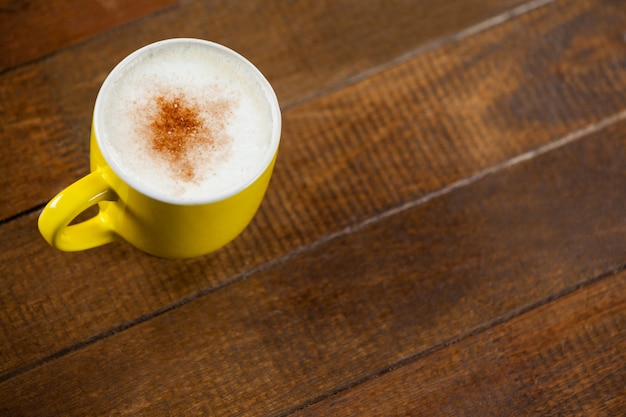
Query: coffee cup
pixel 184 138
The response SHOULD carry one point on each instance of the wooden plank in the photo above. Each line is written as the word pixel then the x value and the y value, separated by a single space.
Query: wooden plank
pixel 568 357
pixel 32 29
pixel 302 47
pixel 353 306
pixel 427 144
pixel 29 157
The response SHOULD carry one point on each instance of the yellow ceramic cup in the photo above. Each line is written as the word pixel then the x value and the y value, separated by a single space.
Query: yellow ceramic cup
pixel 161 227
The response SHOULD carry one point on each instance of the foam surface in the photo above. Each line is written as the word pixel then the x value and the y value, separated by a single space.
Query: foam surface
pixel 186 122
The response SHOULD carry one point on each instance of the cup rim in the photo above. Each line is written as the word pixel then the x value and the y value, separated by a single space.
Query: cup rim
pixel 137 184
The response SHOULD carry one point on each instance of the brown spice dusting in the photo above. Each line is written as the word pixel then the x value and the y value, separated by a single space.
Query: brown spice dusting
pixel 178 129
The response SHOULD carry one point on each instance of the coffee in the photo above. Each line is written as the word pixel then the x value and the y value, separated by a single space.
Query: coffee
pixel 186 122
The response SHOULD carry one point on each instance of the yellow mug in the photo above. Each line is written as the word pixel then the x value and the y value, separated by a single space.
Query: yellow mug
pixel 160 225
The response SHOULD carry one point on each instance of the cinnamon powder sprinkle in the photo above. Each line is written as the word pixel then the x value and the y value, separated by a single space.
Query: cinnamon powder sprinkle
pixel 178 129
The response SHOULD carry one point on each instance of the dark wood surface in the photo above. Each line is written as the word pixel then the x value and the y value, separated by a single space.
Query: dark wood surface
pixel 443 235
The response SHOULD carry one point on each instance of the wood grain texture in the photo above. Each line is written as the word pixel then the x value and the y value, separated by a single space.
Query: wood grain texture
pixel 34 28
pixel 357 305
pixel 36 141
pixel 568 357
pixel 302 47
pixel 427 123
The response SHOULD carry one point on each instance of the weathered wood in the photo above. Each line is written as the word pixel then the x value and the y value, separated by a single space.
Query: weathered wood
pixel 302 47
pixel 356 305
pixel 37 142
pixel 419 123
pixel 32 29
pixel 567 357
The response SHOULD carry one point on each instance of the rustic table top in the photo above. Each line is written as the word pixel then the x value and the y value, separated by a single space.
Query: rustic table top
pixel 444 233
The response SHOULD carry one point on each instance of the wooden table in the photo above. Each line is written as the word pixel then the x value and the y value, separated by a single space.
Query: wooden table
pixel 444 233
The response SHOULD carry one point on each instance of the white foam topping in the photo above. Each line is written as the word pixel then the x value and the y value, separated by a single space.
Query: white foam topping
pixel 186 122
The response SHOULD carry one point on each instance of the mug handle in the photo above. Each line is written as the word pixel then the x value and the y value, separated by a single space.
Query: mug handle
pixel 54 221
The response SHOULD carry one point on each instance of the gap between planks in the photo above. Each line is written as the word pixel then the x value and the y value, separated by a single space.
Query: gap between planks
pixel 427 47
pixel 498 321
pixel 558 143
pixel 78 43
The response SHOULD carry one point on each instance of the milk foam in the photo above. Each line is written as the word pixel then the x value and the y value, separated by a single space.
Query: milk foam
pixel 186 122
